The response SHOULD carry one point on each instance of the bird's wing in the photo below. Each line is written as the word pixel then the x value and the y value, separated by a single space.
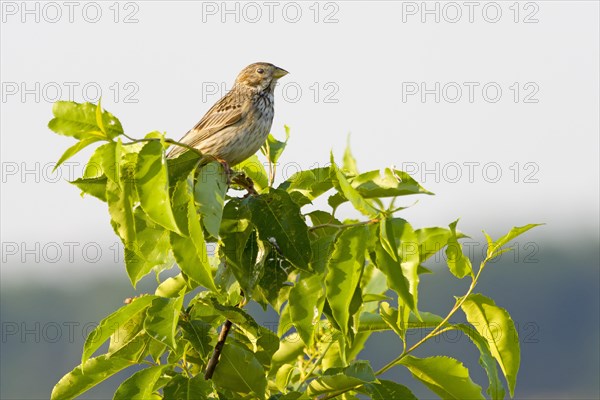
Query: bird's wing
pixel 221 115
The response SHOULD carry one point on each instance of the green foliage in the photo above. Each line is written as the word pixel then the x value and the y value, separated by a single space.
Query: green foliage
pixel 332 282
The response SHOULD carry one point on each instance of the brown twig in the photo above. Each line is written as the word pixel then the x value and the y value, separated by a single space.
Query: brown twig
pixel 214 359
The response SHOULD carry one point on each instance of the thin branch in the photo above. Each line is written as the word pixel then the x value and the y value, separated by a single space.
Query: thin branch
pixel 214 359
pixel 436 331
pixel 343 226
pixel 170 141
pixel 316 364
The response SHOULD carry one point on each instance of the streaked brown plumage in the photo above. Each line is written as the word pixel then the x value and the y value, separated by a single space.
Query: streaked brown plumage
pixel 239 123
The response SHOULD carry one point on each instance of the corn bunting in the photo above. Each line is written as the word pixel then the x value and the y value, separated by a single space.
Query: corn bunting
pixel 239 123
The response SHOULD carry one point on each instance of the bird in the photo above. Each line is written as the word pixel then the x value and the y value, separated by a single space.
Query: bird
pixel 238 124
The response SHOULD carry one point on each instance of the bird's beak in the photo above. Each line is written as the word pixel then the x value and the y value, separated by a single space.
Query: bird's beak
pixel 279 72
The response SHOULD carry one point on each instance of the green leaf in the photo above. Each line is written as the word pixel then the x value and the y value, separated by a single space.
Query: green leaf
pixel 337 379
pixel 181 166
pixel 76 148
pixel 349 160
pixel 274 279
pixel 239 371
pixel 200 334
pixel 93 186
pixel 152 184
pixel 120 206
pixel 392 183
pixel 494 324
pixel 306 305
pixel 343 186
pixel 254 169
pixel 284 376
pixel 110 324
pixel 210 192
pixel 393 272
pixel 172 287
pixel 95 370
pixel 111 160
pixel 273 148
pixel 458 263
pixel 278 221
pixel 387 239
pixel 235 231
pixel 151 248
pixel 305 186
pixel 343 272
pixel 79 121
pixel 514 232
pixel 432 240
pixel 190 251
pixel 183 388
pixel 289 350
pixel 445 376
pixel 161 320
pixel 486 360
pixel 140 385
pixel 395 320
pixel 265 346
pixel 126 332
pixel 402 275
pixel 387 390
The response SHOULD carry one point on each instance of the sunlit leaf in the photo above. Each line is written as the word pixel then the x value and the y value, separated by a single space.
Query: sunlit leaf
pixel 458 263
pixel 392 183
pixel 79 121
pixel 190 251
pixel 93 186
pixel 152 184
pixel 95 370
pixel 337 379
pixel 151 248
pixel 183 388
pixel 306 305
pixel 494 324
pixel 387 390
pixel 486 360
pixel 210 192
pixel 348 192
pixel 273 147
pixel 349 165
pixel 343 272
pixel 76 148
pixel 445 376
pixel 110 324
pixel 305 186
pixel 239 370
pixel 140 385
pixel 514 232
pixel 161 320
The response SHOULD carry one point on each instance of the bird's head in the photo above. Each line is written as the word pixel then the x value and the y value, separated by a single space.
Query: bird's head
pixel 260 76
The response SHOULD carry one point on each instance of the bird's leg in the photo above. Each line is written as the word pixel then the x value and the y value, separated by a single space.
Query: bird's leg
pixel 241 179
pixel 228 171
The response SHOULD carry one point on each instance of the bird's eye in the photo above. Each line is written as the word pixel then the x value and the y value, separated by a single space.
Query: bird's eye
pixel 260 70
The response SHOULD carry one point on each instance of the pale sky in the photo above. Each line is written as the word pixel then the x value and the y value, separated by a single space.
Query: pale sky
pixel 494 107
